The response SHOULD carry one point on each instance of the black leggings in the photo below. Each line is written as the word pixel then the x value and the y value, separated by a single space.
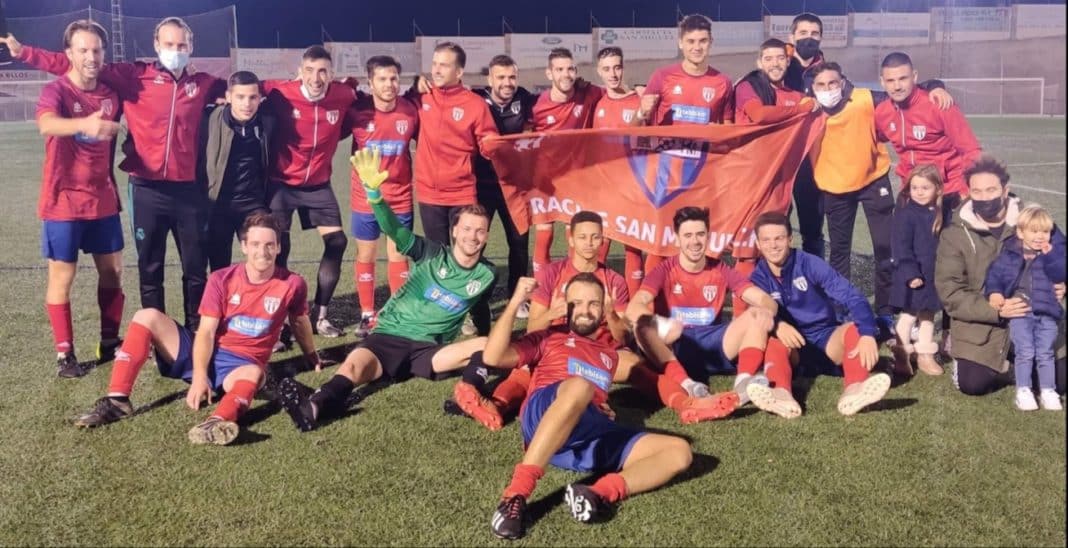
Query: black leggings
pixel 975 379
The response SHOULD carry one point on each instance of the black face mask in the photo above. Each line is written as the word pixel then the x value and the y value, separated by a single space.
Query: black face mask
pixel 807 48
pixel 988 210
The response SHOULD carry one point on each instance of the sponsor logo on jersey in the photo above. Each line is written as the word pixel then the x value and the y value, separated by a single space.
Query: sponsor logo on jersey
pixel 332 116
pixel 693 315
pixel 628 115
pixel 191 89
pixel 690 113
pixel 801 283
pixel 402 126
pixel 457 113
pixel 707 94
pixel 106 106
pixel 235 299
pixel 677 90
pixel 447 300
pixel 599 377
pixel 271 304
pixel 919 132
pixel 77 108
pixel 249 326
pixel 473 287
pixel 387 148
pixel 709 292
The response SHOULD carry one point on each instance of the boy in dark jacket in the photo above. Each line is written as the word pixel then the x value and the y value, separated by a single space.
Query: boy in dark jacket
pixel 1029 265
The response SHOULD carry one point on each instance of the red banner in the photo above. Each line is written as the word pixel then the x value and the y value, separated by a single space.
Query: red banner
pixel 636 178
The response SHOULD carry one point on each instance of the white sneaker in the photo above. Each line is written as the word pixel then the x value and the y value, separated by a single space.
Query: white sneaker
pixel 1050 399
pixel 524 311
pixel 1025 400
pixel 742 382
pixel 468 328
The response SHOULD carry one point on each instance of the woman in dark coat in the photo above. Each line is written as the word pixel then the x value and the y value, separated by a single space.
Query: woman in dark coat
pixel 918 221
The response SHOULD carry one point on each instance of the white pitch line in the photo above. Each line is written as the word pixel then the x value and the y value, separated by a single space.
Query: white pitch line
pixel 1035 189
pixel 1038 164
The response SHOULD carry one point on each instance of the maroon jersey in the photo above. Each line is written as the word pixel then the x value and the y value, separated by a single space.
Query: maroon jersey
pixel 308 132
pixel 616 113
pixel 251 315
pixel 687 99
pixel 391 133
pixel 574 113
pixel 556 353
pixel 552 282
pixel 694 298
pixel 162 112
pixel 77 182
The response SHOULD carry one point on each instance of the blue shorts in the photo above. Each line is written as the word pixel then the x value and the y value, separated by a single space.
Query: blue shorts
pixel 61 240
pixel 365 227
pixel 813 356
pixel 700 350
pixel 597 443
pixel 221 364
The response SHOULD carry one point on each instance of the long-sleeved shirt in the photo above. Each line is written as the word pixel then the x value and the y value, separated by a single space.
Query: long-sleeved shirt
pixel 308 132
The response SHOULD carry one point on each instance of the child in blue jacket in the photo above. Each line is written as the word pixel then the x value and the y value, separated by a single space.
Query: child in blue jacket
pixel 1029 265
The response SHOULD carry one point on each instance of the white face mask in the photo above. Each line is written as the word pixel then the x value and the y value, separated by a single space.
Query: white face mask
pixel 829 98
pixel 173 60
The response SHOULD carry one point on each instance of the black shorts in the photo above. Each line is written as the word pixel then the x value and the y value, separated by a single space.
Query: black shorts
pixel 316 205
pixel 403 358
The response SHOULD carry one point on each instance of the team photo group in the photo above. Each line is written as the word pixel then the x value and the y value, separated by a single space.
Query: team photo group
pixel 968 281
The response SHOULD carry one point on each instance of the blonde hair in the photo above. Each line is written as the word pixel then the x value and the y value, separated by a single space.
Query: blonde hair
pixel 1034 217
pixel 934 175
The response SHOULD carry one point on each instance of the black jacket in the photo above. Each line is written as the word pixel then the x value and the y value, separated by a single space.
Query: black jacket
pixel 215 138
pixel 510 118
pixel 913 249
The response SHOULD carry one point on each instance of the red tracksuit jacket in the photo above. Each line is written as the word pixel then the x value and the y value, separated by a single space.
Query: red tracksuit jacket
pixel 921 133
pixel 162 114
pixel 308 132
pixel 453 122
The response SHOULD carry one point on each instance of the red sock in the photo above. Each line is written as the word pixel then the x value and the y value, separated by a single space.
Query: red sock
pixel 524 480
pixel 651 261
pixel 750 360
pixel 398 274
pixel 62 326
pixel 129 359
pixel 675 371
pixel 365 286
pixel 611 487
pixel 543 242
pixel 777 365
pixel 111 301
pixel 656 387
pixel 602 255
pixel 511 391
pixel 236 401
pixel 745 267
pixel 854 372
pixel 632 269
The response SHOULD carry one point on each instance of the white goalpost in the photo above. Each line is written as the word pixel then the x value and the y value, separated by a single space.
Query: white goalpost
pixel 999 96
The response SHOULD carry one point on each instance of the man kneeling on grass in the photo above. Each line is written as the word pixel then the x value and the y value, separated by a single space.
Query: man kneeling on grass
pixel 565 418
pixel 412 330
pixel 807 290
pixel 242 312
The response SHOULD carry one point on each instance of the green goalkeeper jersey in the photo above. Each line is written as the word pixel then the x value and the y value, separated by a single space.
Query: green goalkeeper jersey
pixel 432 303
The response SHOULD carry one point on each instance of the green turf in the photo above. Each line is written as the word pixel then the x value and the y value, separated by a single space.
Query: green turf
pixel 927 466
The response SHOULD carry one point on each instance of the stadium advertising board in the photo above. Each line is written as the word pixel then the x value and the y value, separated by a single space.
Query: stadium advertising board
pixel 640 42
pixel 891 29
pixel 532 50
pixel 479 49
pixel 736 37
pixel 972 24
pixel 269 63
pixel 349 57
pixel 835 29
pixel 1035 21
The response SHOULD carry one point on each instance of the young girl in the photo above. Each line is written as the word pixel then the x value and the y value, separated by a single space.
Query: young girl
pixel 917 222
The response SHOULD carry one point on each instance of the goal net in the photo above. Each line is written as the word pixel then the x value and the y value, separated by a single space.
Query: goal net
pixel 1000 96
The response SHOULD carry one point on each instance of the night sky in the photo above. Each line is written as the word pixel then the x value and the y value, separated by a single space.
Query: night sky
pixel 296 23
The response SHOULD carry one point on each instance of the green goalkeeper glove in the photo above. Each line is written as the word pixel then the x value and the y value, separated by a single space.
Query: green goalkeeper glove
pixel 366 163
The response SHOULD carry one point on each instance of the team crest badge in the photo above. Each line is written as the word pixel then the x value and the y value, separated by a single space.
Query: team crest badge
pixel 235 299
pixel 600 113
pixel 893 127
pixel 77 108
pixel 296 114
pixel 919 132
pixel 457 114
pixel 577 111
pixel 370 126
pixel 271 304
pixel 472 287
pixel 426 106
pixel 570 342
pixel 191 89
pixel 515 107
pixel 158 79
pixel 801 283
pixel 776 296
pixel 709 292
pixel 106 106
pixel 442 272
pixel 707 94
pixel 606 361
pixel 665 167
pixel 402 126
pixel 677 289
pixel 550 119
pixel 628 115
pixel 332 116
pixel 677 90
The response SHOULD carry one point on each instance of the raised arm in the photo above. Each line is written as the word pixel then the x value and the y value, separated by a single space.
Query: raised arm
pixel 499 351
pixel 367 164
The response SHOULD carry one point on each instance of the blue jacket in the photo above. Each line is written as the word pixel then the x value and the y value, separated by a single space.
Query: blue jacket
pixel 1045 270
pixel 807 300
pixel 914 248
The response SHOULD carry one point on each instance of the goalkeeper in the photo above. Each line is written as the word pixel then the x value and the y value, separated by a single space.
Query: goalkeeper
pixel 415 327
